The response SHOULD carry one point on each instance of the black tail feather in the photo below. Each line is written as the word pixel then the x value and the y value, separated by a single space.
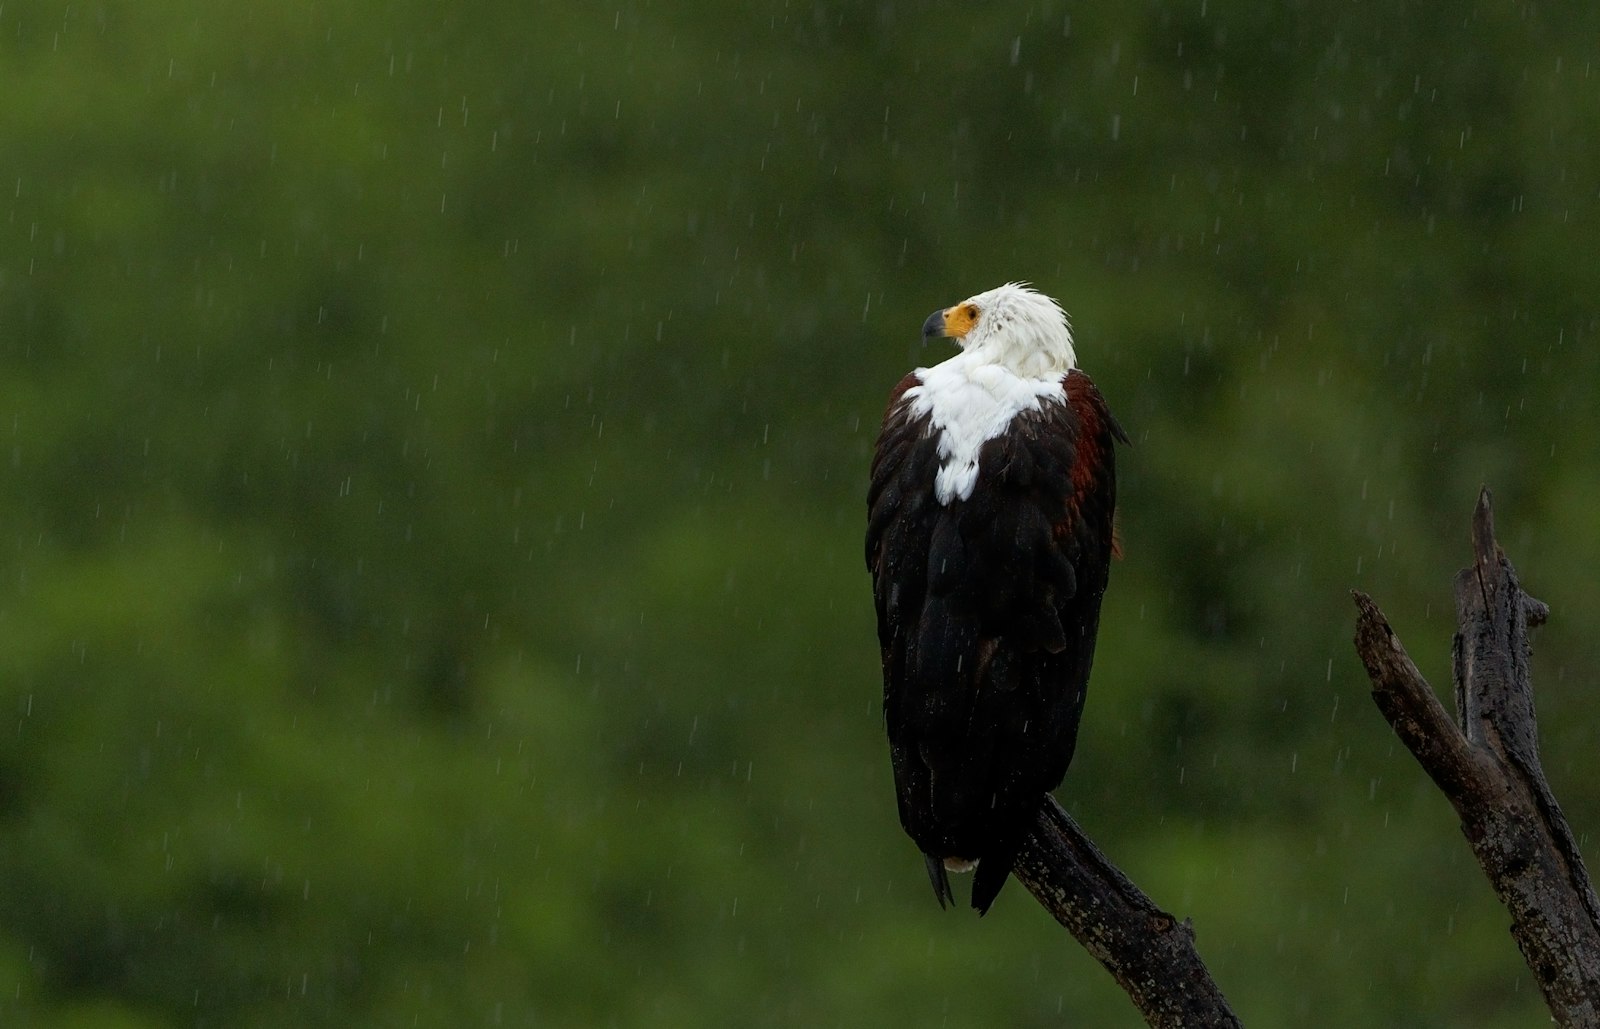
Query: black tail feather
pixel 993 870
pixel 940 880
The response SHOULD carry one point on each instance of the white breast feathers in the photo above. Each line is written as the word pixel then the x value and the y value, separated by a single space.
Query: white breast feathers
pixel 968 403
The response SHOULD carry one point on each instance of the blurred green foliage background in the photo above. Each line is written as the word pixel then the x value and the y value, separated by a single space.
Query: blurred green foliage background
pixel 434 441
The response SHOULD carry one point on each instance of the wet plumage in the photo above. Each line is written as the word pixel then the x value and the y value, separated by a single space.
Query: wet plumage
pixel 989 539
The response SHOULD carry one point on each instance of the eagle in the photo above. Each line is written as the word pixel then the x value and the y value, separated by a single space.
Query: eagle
pixel 990 534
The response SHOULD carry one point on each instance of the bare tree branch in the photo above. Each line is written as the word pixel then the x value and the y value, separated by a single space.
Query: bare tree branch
pixel 1486 762
pixel 1149 953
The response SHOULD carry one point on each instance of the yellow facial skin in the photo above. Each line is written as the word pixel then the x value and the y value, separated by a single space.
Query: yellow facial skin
pixel 953 322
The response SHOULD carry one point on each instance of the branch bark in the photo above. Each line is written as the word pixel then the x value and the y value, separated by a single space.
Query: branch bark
pixel 1486 762
pixel 1150 953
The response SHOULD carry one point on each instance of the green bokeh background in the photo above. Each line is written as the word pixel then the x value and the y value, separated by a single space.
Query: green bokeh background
pixel 434 441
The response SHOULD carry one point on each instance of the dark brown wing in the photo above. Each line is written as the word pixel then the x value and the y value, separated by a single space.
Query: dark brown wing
pixel 987 613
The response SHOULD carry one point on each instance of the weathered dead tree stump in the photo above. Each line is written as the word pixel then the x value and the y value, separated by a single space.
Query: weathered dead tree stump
pixel 1486 762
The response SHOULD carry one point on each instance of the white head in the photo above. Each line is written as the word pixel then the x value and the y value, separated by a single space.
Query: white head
pixel 1013 326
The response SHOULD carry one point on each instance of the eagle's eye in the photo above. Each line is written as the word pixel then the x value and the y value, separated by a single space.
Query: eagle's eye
pixel 971 311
